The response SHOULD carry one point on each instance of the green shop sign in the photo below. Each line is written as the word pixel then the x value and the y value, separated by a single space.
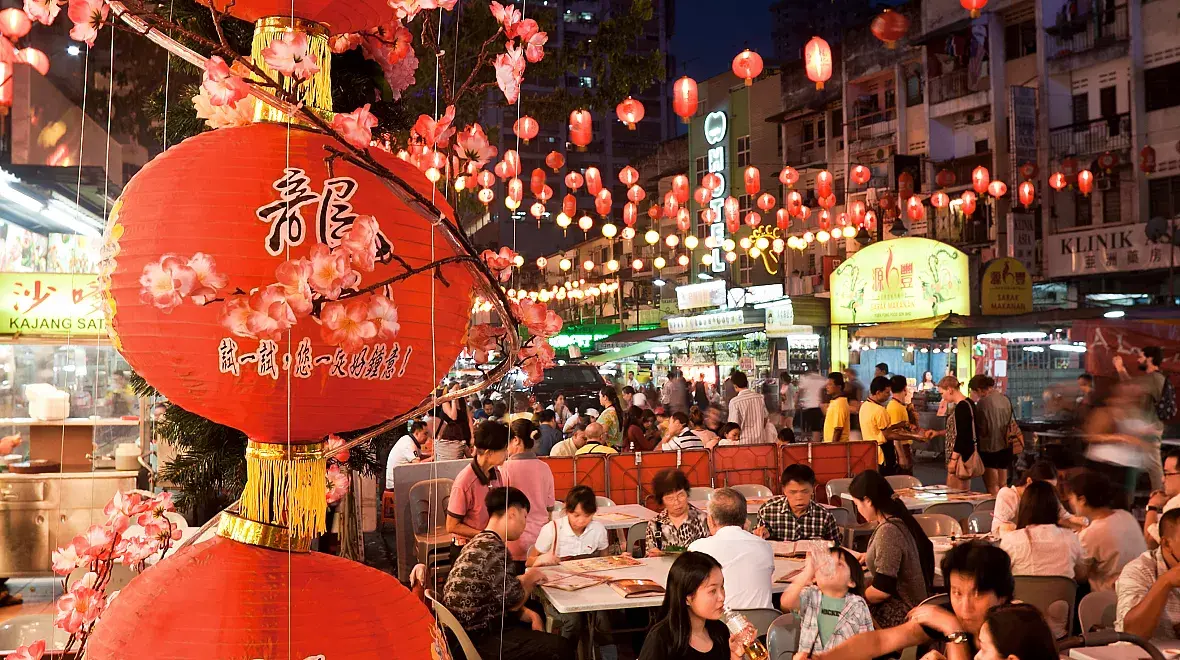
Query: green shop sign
pixel 584 337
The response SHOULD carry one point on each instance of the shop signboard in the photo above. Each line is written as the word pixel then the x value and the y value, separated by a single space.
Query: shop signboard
pixel 1022 239
pixel 780 320
pixel 584 337
pixel 901 279
pixel 1006 288
pixel 754 295
pixel 704 294
pixel 51 304
pixel 729 320
pixel 1124 248
pixel 716 129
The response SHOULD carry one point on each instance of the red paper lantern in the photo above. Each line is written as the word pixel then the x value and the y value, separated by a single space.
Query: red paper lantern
pixel 887 202
pixel 655 212
pixel 671 204
pixel 753 219
pixel 973 6
pixel 288 391
pixel 581 128
pixel 630 213
pixel 861 175
pixel 683 219
pixel 1025 192
pixel 515 190
pixel 870 219
pixel 537 181
pixel 34 58
pixel 1108 161
pixel 825 219
pixel 546 193
pixel 804 213
pixel 680 188
pixel 788 176
pixel 997 189
pixel 630 112
pixel 602 202
pixel 857 210
pixel 684 98
pixel 574 180
pixel 501 168
pixel 1029 171
pixel 979 179
pixel 702 195
pixel 823 183
pixel 945 178
pixel 636 194
pixel 593 180
pixel 968 199
pixel 794 202
pixel 732 209
pixel 712 181
pixel 905 186
pixel 1085 181
pixel 782 219
pixel 753 180
pixel 1057 181
pixel 915 209
pixel 485 179
pixel 511 163
pixel 765 201
pixel 1069 167
pixel 628 176
pixel 747 66
pixel 817 56
pixel 940 200
pixel 14 23
pixel 569 205
pixel 889 27
pixel 555 160
pixel 337 16
pixel 827 202
pixel 1147 159
pixel 526 128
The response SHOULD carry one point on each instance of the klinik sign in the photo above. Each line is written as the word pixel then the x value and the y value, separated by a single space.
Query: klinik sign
pixel 716 131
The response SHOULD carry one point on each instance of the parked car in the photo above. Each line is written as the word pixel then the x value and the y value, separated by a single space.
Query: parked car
pixel 579 382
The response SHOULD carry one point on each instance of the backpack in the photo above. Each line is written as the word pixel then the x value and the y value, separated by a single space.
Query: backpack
pixel 1165 408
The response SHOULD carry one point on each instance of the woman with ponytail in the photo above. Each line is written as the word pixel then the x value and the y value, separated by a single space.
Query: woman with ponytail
pixel 900 556
pixel 531 475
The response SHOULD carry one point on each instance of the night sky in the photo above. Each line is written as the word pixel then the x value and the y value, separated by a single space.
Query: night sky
pixel 708 34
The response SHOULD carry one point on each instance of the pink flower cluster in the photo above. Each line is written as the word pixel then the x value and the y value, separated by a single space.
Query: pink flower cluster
pixel 537 355
pixel 42 11
pixel 471 145
pixel 32 651
pixel 482 339
pixel 166 283
pixel 391 47
pixel 510 64
pixel 408 9
pixel 337 483
pixel 222 86
pixel 88 17
pixel 500 263
pixel 435 132
pixel 290 56
pixel 356 127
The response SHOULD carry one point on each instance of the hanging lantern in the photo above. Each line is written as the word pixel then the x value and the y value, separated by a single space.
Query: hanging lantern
pixel 817 56
pixel 581 128
pixel 888 204
pixel 537 181
pixel 574 180
pixel 870 219
pixel 684 98
pixel 683 219
pixel 34 58
pixel 511 163
pixel 1025 192
pixel 655 212
pixel 501 170
pixel 537 210
pixel 628 176
pixel 1147 159
pixel 1108 161
pixel 609 230
pixel 905 186
pixel 564 264
pixel 555 160
pixel 1085 181
pixel 968 205
pixel 945 178
pixel 823 183
pixel 732 209
pixel 973 6
pixel 753 180
pixel 765 202
pixel 636 194
pixel 782 219
pixel 585 223
pixel 680 188
pixel 788 176
pixel 794 202
pixel 702 195
pixel 828 202
pixel 486 196
pixel 569 205
pixel 980 179
pixel 546 194
pixel 652 237
pixel 602 202
pixel 997 189
pixel 588 265
pixel 1069 167
pixel 915 209
pixel 630 112
pixel 542 262
pixel 14 23
pixel 526 128
pixel 682 260
pixel 824 219
pixel 637 264
pixel 593 180
pixel 940 200
pixel 670 204
pixel 1028 171
pixel 860 175
pixel 1057 181
pixel 485 179
pixel 515 190
pixel 753 219
pixel 630 213
pixel 747 66
pixel 690 242
pixel 857 210
pixel 889 27
pixel 672 240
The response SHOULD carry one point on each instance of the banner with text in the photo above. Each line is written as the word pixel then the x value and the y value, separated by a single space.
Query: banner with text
pixel 1106 250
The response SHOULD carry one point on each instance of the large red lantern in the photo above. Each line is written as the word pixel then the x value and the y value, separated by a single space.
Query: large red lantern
pixel 574 180
pixel 979 179
pixel 1085 181
pixel 555 161
pixel 593 180
pixel 14 23
pixel 973 6
pixel 968 202
pixel 581 128
pixel 905 186
pixel 683 219
pixel 684 98
pixel 680 188
pixel 1147 159
pixel 630 112
pixel 997 189
pixel 860 175
pixel 940 200
pixel 1026 193
pixel 526 128
pixel 1057 181
pixel 945 178
pixel 628 176
pixel 823 183
pixel 817 57
pixel 889 27
pixel 788 176
pixel 1029 171
pixel 766 201
pixel 747 66
pixel 338 16
pixel 753 180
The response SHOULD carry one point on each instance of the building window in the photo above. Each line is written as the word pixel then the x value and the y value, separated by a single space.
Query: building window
pixel 981 147
pixel 1081 108
pixel 585 82
pixel 913 88
pixel 743 151
pixel 809 132
pixel 1161 88
pixel 1108 102
pixel 1163 197
pixel 890 98
pixel 1111 201
pixel 745 269
pixel 701 168
pixel 744 204
pixel 1085 207
pixel 1020 39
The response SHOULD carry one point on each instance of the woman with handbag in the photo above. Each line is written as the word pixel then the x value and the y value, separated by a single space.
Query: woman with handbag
pixel 963 462
pixel 452 429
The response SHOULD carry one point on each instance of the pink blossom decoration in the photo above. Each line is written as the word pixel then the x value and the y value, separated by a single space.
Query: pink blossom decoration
pixel 337 484
pixel 330 272
pixel 156 508
pixel 472 145
pixel 32 651
pixel 510 72
pixel 88 17
pixel 400 75
pixel 435 132
pixel 360 241
pixel 166 282
pixel 223 87
pixel 383 312
pixel 42 11
pixel 535 359
pixel 292 275
pixel 500 263
pixel 539 320
pixel 356 127
pixel 97 542
pixel 482 340
pixel 270 315
pixel 408 9
pixel 508 17
pixel 335 442
pixel 66 559
pixel 235 316
pixel 80 606
pixel 533 39
pixel 347 325
pixel 134 550
pixel 207 281
pixel 342 43
pixel 129 503
pixel 289 56
pixel 239 113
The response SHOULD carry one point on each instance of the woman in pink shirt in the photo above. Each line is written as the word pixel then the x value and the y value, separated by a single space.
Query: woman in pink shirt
pixel 467 515
pixel 531 475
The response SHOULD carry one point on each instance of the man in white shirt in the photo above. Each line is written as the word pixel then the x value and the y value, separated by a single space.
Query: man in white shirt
pixel 410 448
pixel 680 435
pixel 1148 589
pixel 811 387
pixel 748 410
pixel 1163 500
pixel 747 561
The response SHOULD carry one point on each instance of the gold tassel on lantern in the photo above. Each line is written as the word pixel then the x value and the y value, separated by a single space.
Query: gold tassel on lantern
pixel 286 486
pixel 315 92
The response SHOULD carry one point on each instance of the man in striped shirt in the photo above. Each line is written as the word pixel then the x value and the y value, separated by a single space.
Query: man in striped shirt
pixel 748 410
pixel 680 435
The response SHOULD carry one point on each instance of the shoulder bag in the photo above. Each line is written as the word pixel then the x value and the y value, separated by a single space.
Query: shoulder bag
pixel 971 467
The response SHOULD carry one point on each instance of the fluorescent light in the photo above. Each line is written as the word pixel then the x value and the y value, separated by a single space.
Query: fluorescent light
pixel 1115 314
pixel 658 282
pixel 73 50
pixel 1034 349
pixel 1013 336
pixel 1068 348
pixel 12 194
pixel 69 221
pixel 705 276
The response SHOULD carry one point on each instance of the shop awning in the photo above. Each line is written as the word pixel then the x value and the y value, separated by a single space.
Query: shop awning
pixel 631 351
pixel 944 326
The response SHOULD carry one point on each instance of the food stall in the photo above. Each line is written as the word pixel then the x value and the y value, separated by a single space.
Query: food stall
pixel 64 390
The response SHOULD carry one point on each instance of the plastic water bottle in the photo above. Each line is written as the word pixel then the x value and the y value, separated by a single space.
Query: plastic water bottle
pixel 739 626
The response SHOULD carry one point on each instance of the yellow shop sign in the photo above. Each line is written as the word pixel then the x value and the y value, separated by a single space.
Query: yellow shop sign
pixel 1006 288
pixel 901 279
pixel 51 304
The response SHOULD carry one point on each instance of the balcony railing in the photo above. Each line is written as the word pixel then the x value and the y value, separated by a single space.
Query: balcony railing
pixel 1097 29
pixel 954 85
pixel 807 152
pixel 962 167
pixel 1091 137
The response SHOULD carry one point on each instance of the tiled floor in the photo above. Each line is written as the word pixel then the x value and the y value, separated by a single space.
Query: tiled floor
pixel 38 594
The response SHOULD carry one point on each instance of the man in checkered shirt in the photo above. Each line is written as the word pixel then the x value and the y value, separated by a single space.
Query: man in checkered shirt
pixel 794 515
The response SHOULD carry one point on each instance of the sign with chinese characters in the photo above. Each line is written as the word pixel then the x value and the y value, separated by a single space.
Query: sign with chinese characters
pixel 51 304
pixel 716 131
pixel 902 279
pixel 1006 288
pixel 780 317
pixel 1022 239
pixel 754 295
pixel 705 294
pixel 1106 250
pixel 1022 135
pixel 720 321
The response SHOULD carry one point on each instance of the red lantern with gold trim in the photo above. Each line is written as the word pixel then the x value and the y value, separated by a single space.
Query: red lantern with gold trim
pixel 857 210
pixel 684 98
pixel 1085 181
pixel 636 194
pixel 747 66
pixel 1026 193
pixel 794 202
pixel 602 202
pixel 915 208
pixel 712 181
pixel 526 128
pixel 581 129
pixel 630 213
pixel 702 195
pixel 817 58
pixel 889 27
pixel 753 219
pixel 630 112
pixel 574 180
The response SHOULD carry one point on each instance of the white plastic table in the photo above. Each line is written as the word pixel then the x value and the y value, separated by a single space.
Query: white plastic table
pixel 637 512
pixel 1169 647
pixel 918 504
pixel 602 597
pixel 752 506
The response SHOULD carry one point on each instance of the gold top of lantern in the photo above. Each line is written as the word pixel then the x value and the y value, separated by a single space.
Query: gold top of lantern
pixel 251 532
pixel 284 503
pixel 316 91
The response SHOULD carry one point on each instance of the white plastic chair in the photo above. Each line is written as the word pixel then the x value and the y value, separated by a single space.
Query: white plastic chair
pixel 753 490
pixel 1097 611
pixel 986 505
pixel 782 640
pixel 956 510
pixel 938 524
pixel 899 481
pixel 761 618
pixel 979 522
pixel 604 501
pixel 636 533
pixel 834 489
pixel 449 622
pixel 700 493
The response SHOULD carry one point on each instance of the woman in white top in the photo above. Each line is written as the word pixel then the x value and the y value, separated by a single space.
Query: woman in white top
pixel 1113 538
pixel 1008 500
pixel 1040 547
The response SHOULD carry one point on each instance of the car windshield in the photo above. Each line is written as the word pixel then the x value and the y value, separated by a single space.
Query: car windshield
pixel 576 376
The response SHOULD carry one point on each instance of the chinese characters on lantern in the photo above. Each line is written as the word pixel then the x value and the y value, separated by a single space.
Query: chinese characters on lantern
pixel 376 362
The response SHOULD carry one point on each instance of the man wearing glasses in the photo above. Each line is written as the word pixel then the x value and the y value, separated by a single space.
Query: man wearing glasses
pixel 1163 500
